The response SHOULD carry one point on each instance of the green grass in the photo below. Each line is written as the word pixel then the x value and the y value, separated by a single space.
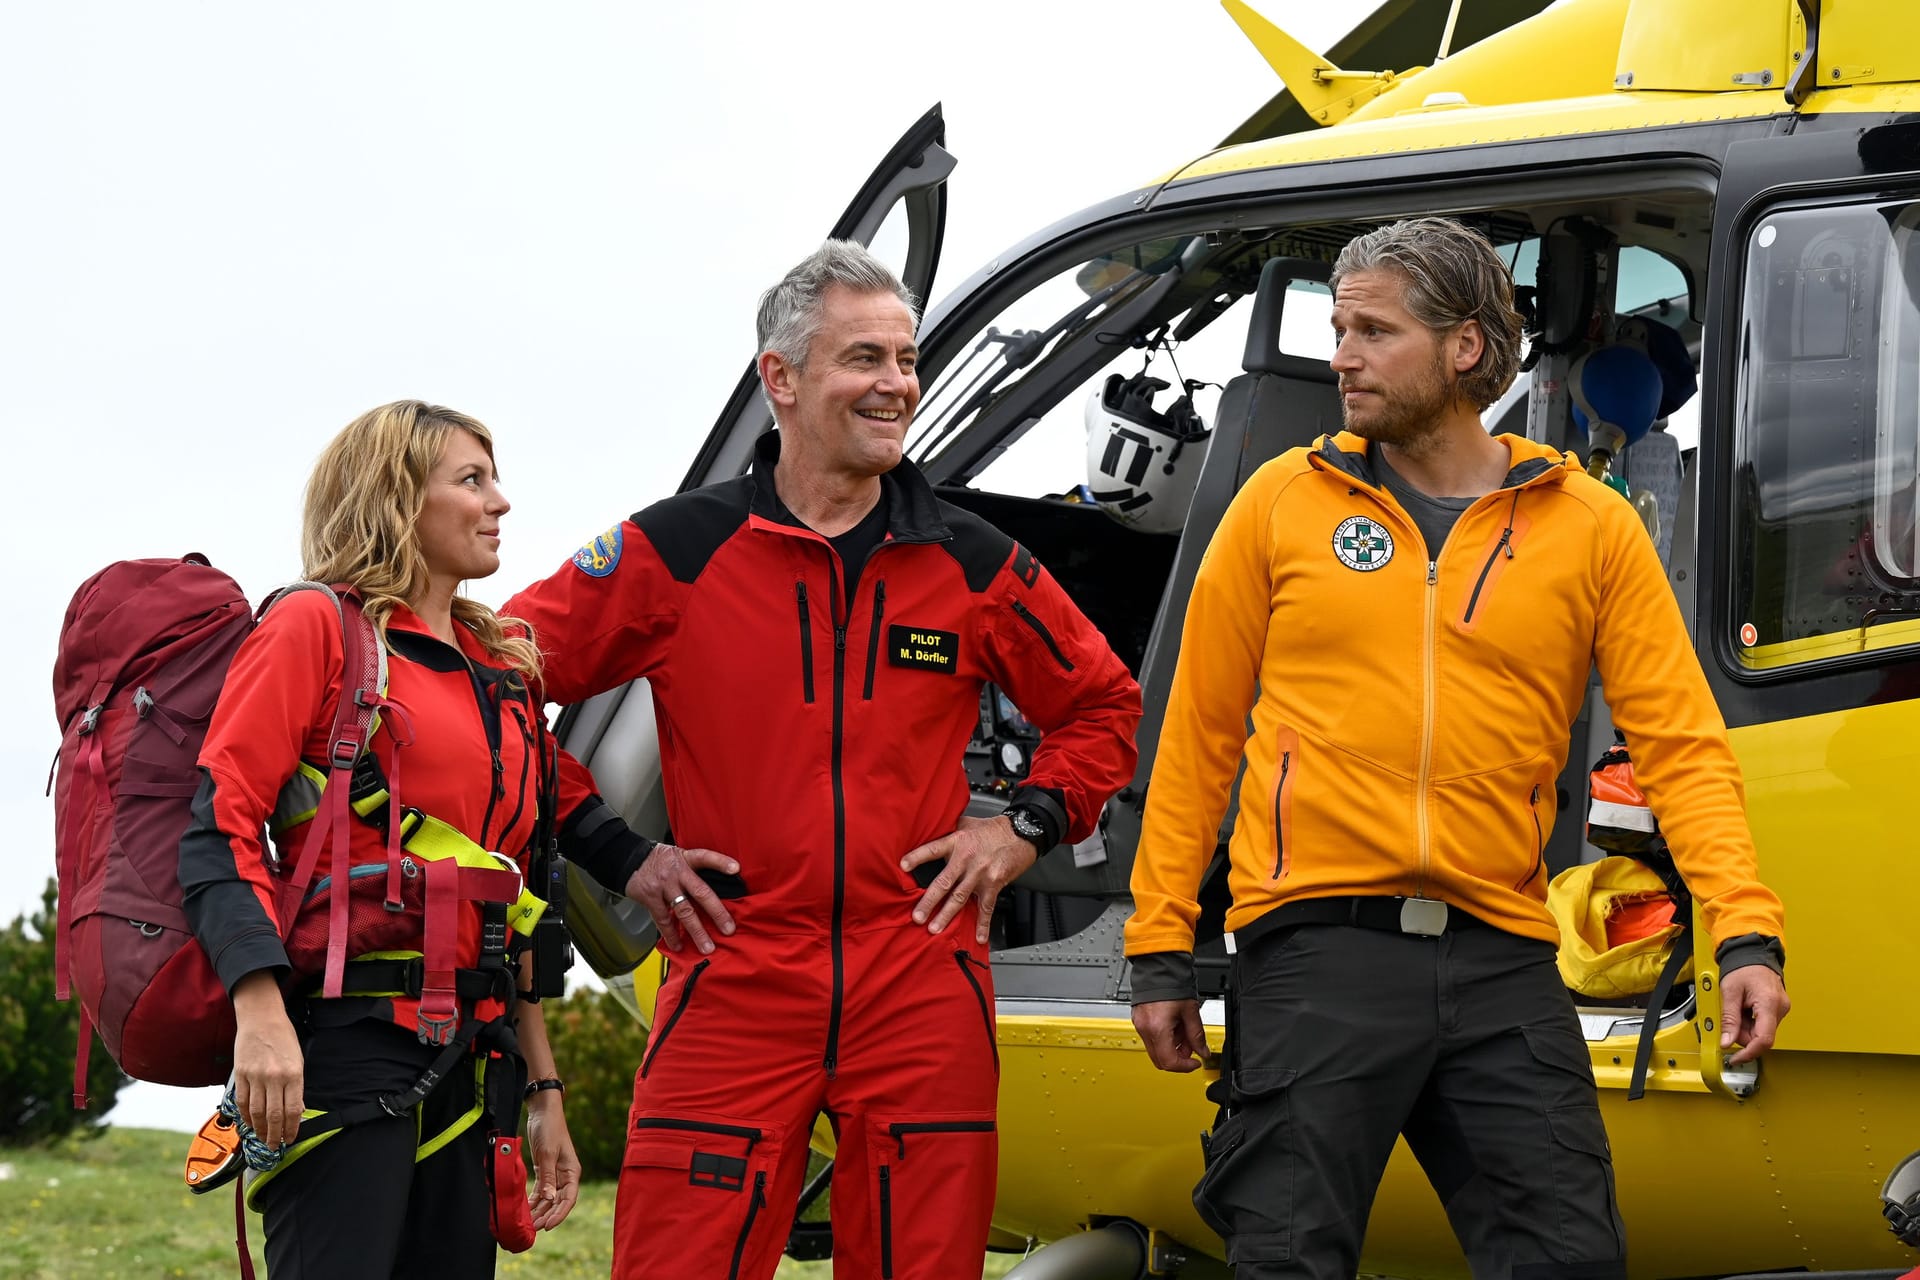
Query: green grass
pixel 114 1206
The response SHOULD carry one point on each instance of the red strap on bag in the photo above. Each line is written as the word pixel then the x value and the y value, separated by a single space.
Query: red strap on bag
pixel 439 1011
pixel 508 1214
pixel 352 726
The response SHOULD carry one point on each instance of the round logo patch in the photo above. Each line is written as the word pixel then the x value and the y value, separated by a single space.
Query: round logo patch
pixel 601 556
pixel 1362 544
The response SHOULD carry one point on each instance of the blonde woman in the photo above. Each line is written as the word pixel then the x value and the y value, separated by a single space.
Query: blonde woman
pixel 403 507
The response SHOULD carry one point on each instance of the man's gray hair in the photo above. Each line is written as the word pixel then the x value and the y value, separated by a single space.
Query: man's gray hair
pixel 1453 275
pixel 791 311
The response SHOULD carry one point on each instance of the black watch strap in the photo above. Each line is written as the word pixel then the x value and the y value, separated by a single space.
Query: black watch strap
pixel 1029 826
pixel 1047 808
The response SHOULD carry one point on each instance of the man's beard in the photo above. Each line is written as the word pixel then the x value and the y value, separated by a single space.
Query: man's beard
pixel 1404 415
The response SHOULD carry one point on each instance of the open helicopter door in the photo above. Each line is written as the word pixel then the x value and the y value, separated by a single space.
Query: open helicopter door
pixel 1809 540
pixel 614 734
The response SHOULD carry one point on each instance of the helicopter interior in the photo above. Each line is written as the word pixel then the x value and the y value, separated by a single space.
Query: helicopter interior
pixel 1237 319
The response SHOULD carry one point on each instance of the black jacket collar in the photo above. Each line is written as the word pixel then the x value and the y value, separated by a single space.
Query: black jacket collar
pixel 913 512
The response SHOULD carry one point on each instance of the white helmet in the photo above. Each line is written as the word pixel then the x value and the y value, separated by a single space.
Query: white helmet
pixel 1142 465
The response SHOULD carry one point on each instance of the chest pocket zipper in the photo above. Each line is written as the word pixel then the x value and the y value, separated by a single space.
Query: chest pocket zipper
pixel 806 643
pixel 873 636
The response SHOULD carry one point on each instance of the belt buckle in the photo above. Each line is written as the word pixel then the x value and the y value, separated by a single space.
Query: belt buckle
pixel 1423 916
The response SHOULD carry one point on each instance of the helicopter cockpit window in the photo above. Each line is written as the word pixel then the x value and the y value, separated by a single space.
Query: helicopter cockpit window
pixel 1827 469
pixel 1193 350
pixel 1022 339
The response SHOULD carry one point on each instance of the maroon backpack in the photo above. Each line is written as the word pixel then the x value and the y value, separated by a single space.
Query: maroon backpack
pixel 143 652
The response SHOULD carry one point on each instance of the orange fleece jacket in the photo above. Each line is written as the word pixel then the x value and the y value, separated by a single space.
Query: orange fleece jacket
pixel 1410 719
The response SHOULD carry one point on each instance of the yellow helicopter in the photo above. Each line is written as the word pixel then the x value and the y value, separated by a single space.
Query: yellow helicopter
pixel 1745 173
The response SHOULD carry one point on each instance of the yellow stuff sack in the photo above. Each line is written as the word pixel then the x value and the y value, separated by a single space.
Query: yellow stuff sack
pixel 1616 927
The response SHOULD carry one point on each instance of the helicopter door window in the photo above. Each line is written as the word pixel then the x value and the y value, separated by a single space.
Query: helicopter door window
pixel 1827 467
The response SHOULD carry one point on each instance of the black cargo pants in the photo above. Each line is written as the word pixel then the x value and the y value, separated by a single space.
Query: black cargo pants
pixel 1341 1038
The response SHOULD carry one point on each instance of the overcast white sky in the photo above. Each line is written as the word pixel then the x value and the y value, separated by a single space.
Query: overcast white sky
pixel 229 228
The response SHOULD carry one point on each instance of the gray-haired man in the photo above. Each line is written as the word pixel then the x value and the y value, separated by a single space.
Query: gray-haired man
pixel 815 634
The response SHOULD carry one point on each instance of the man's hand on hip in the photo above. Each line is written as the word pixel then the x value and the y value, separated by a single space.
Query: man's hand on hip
pixel 669 886
pixel 983 857
pixel 1172 1032
pixel 1753 1000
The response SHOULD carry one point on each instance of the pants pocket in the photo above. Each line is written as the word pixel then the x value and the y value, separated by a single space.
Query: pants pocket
pixel 1580 1175
pixel 1583 1184
pixel 933 1179
pixel 1246 1189
pixel 979 978
pixel 701 1183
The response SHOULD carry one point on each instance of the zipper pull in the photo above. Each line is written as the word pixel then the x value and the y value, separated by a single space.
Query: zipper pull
pixel 1506 541
pixel 839 637
pixel 1433 572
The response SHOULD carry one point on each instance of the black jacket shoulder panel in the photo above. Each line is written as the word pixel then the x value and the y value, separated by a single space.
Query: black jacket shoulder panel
pixel 688 528
pixel 978 547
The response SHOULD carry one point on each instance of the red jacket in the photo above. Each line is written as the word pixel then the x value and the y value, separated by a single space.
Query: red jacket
pixel 472 763
pixel 816 741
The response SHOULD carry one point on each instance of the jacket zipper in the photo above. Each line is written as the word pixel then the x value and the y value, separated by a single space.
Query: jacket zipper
pixel 1426 728
pixel 831 1060
pixel 1505 544
pixel 873 636
pixel 1046 636
pixel 1279 834
pixel 886 1222
pixel 966 962
pixel 679 1007
pixel 753 1211
pixel 1539 839
pixel 490 724
pixel 360 872
pixel 806 644
pixel 520 796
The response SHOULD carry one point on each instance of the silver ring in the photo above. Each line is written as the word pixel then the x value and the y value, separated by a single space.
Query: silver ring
pixel 677 901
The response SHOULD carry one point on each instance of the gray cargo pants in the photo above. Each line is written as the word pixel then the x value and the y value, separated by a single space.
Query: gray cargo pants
pixel 1341 1038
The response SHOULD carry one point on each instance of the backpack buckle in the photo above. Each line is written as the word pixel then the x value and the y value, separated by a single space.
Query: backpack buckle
pixel 345 751
pixel 438 1015
pixel 90 718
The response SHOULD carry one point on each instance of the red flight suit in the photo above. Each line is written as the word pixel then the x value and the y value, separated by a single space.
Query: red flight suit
pixel 816 741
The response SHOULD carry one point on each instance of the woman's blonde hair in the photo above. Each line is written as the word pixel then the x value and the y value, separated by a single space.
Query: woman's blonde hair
pixel 362 508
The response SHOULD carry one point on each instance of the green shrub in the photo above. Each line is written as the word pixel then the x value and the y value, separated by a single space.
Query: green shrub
pixel 37 1034
pixel 597 1046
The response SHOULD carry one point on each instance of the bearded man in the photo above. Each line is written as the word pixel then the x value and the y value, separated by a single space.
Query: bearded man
pixel 1417 604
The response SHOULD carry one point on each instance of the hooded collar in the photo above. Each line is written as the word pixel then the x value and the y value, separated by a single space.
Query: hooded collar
pixel 913 512
pixel 1531 462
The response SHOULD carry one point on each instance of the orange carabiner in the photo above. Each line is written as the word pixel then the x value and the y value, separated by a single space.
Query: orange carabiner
pixel 214 1158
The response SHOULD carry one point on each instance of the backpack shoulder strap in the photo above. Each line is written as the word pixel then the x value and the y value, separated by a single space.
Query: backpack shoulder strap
pixel 363 684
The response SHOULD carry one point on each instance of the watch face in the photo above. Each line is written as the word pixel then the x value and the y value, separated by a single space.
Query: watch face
pixel 1025 825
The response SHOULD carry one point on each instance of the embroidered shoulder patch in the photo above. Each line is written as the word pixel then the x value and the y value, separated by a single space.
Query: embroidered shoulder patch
pixel 1362 544
pixel 601 556
pixel 919 647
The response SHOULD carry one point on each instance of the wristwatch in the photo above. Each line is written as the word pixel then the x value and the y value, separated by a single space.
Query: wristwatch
pixel 1027 825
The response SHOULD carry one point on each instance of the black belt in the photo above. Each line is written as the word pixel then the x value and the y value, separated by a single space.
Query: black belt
pixel 1418 916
